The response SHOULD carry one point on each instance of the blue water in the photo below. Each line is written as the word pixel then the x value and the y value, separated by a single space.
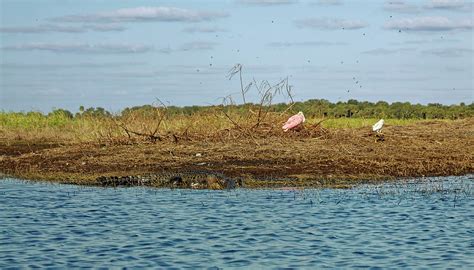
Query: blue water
pixel 422 223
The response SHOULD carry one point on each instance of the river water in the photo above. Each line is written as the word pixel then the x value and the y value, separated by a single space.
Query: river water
pixel 418 223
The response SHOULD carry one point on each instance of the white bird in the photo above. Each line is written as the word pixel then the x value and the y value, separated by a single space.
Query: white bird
pixel 378 126
pixel 294 121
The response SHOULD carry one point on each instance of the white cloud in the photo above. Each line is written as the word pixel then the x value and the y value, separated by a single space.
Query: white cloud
pixel 429 24
pixel 203 29
pixel 198 46
pixel 47 28
pixel 329 2
pixel 145 14
pixel 450 52
pixel 105 27
pixel 267 2
pixel 459 5
pixel 400 6
pixel 437 40
pixel 330 23
pixel 75 65
pixel 383 51
pixel 305 44
pixel 81 48
pixel 85 48
pixel 42 29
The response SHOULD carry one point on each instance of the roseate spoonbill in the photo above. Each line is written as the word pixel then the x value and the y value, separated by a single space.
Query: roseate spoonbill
pixel 378 126
pixel 294 121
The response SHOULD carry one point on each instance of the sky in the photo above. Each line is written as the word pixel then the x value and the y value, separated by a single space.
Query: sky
pixel 117 54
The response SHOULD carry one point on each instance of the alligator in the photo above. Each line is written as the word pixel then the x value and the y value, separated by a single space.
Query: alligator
pixel 182 179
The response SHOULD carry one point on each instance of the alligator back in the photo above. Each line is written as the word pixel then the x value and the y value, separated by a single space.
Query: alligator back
pixel 181 179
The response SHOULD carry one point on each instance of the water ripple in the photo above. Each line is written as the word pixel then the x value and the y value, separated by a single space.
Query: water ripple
pixel 421 223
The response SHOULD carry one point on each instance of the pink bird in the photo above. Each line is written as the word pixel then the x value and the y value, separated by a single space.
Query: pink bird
pixel 294 121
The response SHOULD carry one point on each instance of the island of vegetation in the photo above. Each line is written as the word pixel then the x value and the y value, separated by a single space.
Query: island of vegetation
pixel 334 148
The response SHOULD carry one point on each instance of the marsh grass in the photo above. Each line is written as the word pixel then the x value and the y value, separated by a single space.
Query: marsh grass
pixel 36 126
pixel 367 122
pixel 133 127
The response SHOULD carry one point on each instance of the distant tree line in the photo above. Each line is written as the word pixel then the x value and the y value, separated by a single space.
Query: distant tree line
pixel 317 108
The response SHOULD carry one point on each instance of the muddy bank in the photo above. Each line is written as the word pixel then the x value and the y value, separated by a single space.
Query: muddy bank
pixel 337 158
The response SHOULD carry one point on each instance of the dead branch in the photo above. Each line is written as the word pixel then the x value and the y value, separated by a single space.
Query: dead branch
pixel 151 137
pixel 266 92
pixel 234 70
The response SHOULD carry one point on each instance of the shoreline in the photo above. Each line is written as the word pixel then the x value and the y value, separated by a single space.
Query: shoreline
pixel 339 158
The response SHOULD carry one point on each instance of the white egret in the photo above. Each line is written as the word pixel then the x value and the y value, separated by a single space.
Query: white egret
pixel 378 126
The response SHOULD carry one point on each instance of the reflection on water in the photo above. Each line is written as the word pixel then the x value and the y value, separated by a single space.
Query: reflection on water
pixel 397 225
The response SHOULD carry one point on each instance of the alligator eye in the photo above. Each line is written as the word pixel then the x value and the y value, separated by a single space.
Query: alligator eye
pixel 176 180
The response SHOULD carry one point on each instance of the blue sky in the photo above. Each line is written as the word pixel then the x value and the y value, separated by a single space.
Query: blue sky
pixel 116 54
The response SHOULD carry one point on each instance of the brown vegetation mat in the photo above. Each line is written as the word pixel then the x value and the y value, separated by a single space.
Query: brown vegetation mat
pixel 334 157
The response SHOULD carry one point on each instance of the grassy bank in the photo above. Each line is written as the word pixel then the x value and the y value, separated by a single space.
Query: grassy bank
pixel 142 126
pixel 259 118
pixel 335 152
